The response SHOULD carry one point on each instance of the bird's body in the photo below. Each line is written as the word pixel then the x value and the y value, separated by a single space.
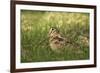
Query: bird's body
pixel 56 41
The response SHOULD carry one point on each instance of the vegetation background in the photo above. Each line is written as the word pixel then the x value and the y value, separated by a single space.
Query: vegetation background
pixel 35 26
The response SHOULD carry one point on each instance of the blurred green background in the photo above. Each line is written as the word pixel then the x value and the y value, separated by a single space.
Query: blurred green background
pixel 35 26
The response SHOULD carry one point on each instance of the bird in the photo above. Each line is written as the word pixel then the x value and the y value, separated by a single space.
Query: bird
pixel 56 41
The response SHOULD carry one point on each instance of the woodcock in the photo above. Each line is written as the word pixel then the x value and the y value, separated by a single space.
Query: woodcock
pixel 56 41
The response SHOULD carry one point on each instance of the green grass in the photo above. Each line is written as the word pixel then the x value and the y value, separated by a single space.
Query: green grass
pixel 35 26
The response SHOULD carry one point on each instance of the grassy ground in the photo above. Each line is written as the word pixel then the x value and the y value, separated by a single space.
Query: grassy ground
pixel 35 26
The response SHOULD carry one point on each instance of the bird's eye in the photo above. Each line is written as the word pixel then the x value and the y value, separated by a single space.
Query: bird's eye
pixel 52 29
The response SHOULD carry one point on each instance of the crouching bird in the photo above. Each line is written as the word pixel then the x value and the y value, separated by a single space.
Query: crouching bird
pixel 56 41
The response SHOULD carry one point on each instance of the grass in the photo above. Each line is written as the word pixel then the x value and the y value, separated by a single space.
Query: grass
pixel 35 26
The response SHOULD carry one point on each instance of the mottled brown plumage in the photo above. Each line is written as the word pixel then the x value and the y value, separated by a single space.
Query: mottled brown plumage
pixel 56 41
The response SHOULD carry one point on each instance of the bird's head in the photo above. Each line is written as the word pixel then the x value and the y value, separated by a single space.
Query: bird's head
pixel 53 32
